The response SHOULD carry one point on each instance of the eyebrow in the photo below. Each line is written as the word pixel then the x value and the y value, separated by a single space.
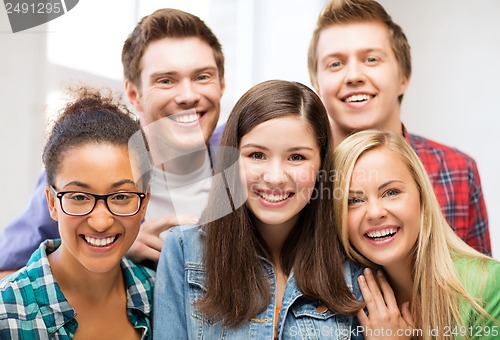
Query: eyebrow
pixel 363 51
pixel 297 148
pixel 156 75
pixel 383 185
pixel 86 186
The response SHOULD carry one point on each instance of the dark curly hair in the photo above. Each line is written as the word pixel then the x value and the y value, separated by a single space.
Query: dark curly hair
pixel 95 117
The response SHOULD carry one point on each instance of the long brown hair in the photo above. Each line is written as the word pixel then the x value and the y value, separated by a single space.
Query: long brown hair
pixel 236 287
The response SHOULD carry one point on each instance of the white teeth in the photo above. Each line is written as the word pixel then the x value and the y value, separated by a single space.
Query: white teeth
pixel 273 198
pixel 382 233
pixel 100 242
pixel 185 119
pixel 357 98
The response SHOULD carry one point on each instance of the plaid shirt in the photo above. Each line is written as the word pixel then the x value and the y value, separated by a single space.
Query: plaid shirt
pixel 32 306
pixel 456 182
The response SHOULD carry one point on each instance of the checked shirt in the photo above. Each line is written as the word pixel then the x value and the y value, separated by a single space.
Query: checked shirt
pixel 32 306
pixel 457 185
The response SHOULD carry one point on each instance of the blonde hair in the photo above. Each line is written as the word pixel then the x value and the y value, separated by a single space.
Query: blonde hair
pixel 440 290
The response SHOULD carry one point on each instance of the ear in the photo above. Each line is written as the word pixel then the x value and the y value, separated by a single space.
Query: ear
pixel 51 202
pixel 405 80
pixel 134 95
pixel 222 86
pixel 145 205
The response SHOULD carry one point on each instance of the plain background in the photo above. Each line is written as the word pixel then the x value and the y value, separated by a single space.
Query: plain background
pixel 452 97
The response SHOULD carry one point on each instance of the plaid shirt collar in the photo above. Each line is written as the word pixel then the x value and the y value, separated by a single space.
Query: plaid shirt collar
pixel 56 310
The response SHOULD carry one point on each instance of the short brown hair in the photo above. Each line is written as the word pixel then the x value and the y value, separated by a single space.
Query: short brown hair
pixel 165 23
pixel 352 11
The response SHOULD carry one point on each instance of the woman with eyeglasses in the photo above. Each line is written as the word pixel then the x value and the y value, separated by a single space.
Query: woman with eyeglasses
pixel 81 285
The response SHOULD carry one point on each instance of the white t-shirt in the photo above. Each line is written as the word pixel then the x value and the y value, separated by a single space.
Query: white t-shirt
pixel 180 194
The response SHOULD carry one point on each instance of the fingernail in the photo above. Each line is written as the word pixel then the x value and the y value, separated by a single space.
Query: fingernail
pixel 367 271
pixel 379 273
pixel 361 278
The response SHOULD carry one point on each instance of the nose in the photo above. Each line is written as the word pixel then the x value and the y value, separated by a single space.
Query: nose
pixel 100 219
pixel 274 173
pixel 375 210
pixel 187 94
pixel 354 74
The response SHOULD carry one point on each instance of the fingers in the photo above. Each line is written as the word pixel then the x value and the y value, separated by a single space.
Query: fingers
pixel 156 225
pixel 140 252
pixel 406 314
pixel 371 293
pixel 363 318
pixel 148 243
pixel 388 293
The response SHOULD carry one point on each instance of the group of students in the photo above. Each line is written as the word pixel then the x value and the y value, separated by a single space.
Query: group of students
pixel 311 228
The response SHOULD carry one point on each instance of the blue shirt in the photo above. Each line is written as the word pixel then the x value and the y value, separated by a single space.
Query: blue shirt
pixel 32 306
pixel 180 283
pixel 22 236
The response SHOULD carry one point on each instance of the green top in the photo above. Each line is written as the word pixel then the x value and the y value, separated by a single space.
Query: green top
pixel 482 280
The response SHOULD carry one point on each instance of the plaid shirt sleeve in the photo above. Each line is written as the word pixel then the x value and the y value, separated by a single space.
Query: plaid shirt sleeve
pixel 32 305
pixel 457 185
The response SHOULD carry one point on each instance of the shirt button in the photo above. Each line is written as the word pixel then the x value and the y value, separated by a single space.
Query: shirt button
pixel 322 308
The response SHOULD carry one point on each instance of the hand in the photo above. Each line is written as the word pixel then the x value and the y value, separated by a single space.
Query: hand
pixel 384 320
pixel 148 244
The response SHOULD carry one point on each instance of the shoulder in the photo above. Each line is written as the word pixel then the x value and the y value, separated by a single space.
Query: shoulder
pixel 426 147
pixel 186 235
pixel 480 278
pixel 22 291
pixel 184 242
pixel 352 270
pixel 217 135
pixel 140 283
pixel 136 273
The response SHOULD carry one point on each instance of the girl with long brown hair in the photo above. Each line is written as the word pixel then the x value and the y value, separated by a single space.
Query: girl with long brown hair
pixel 272 266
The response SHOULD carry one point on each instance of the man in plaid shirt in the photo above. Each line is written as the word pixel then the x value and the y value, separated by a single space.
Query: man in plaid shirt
pixel 360 65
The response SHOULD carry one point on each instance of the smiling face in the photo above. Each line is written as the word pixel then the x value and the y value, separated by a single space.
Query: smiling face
pixel 99 240
pixel 280 170
pixel 179 80
pixel 383 217
pixel 359 78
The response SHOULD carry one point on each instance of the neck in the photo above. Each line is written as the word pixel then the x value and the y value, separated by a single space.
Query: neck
pixel 74 279
pixel 275 235
pixel 339 134
pixel 401 280
pixel 186 164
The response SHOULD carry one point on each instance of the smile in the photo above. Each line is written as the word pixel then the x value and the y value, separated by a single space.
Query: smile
pixel 357 98
pixel 382 235
pixel 100 242
pixel 274 198
pixel 185 118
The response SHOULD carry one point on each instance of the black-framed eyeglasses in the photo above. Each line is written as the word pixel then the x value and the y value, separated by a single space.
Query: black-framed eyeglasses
pixel 79 203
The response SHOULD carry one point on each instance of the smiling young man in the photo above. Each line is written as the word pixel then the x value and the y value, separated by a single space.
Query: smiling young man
pixel 360 65
pixel 174 77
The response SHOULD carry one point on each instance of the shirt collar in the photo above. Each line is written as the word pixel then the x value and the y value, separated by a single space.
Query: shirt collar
pixel 54 308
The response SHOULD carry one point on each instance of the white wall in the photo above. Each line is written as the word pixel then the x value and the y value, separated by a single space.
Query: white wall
pixel 451 97
pixel 453 93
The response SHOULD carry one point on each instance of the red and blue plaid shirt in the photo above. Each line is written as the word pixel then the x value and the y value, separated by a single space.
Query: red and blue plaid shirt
pixel 457 185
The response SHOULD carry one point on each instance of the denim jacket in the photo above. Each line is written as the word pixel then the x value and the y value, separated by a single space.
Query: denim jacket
pixel 180 283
